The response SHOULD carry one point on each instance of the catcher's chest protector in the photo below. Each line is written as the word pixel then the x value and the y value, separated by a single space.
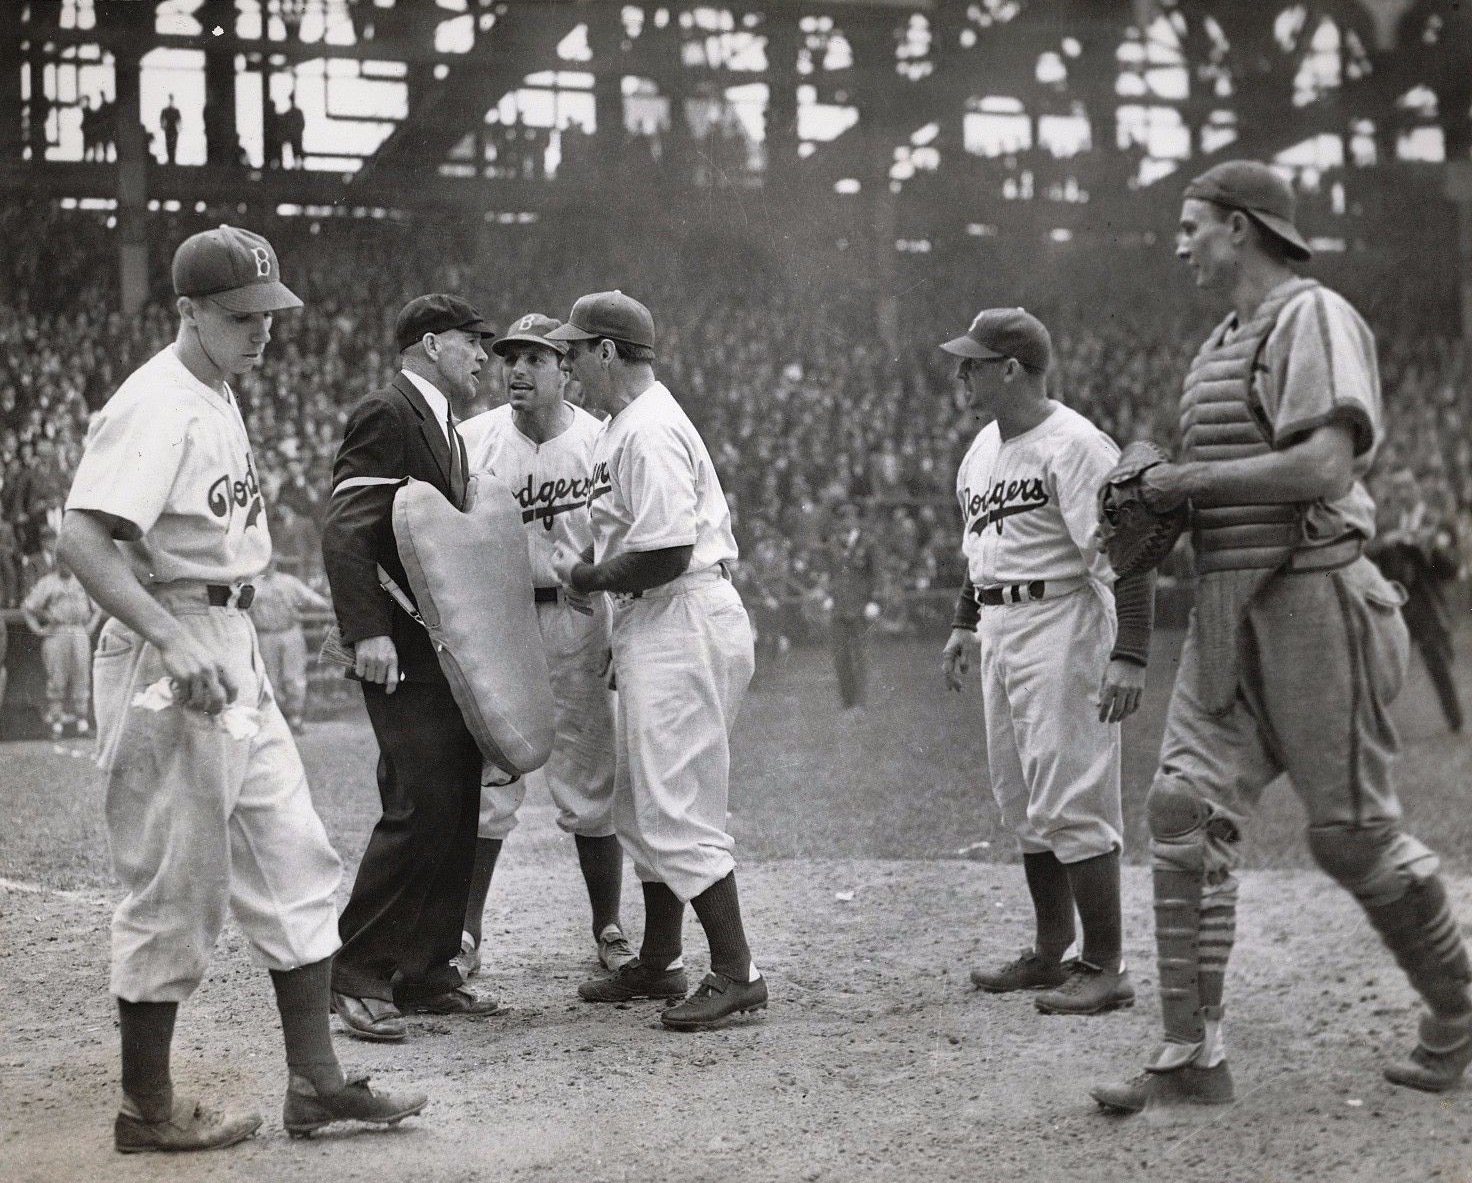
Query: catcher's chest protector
pixel 1238 547
pixel 1219 421
pixel 471 577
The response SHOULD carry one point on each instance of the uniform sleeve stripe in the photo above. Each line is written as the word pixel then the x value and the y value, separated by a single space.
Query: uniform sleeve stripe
pixel 363 482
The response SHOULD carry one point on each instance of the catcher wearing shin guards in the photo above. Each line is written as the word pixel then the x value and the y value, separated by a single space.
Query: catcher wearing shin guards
pixel 1296 647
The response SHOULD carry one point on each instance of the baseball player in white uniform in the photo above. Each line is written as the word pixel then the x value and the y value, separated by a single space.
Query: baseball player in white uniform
pixel 1057 676
pixel 60 612
pixel 682 659
pixel 207 801
pixel 542 445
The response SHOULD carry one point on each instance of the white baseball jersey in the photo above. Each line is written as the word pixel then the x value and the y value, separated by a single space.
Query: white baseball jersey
pixel 552 480
pixel 1030 503
pixel 654 485
pixel 170 456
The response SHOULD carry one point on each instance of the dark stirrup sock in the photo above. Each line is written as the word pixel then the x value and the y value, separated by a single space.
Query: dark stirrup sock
pixel 602 861
pixel 303 997
pixel 664 918
pixel 1052 904
pixel 1095 884
pixel 147 1033
pixel 719 910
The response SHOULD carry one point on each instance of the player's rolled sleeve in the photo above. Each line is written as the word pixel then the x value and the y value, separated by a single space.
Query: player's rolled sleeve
pixel 658 474
pixel 124 440
pixel 1321 368
pixel 358 529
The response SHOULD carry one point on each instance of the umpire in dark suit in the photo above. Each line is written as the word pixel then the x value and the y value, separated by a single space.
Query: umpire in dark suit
pixel 401 927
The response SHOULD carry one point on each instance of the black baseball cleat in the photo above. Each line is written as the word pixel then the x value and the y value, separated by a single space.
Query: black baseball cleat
pixel 1028 972
pixel 633 979
pixel 715 1000
pixel 307 1109
pixel 188 1126
pixel 1188 1085
pixel 1440 1058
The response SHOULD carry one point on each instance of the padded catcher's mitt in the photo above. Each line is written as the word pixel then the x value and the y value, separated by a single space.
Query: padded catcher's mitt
pixel 1135 538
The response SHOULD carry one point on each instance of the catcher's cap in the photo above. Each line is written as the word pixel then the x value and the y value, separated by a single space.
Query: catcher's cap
pixel 235 268
pixel 437 313
pixel 1259 192
pixel 607 314
pixel 531 329
pixel 1006 332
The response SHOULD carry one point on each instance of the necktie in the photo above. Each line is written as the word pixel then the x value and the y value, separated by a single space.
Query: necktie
pixel 457 460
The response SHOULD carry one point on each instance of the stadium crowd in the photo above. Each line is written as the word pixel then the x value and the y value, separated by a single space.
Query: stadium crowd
pixel 801 403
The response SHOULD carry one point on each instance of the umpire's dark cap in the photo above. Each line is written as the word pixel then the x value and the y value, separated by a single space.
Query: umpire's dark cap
pixel 607 314
pixel 438 313
pixel 235 268
pixel 1006 332
pixel 531 329
pixel 1259 192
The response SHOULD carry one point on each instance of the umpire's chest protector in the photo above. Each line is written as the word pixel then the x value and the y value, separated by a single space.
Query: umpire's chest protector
pixel 472 581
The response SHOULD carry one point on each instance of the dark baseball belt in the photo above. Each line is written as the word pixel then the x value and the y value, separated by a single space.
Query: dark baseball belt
pixel 1011 593
pixel 222 595
pixel 720 569
pixel 546 595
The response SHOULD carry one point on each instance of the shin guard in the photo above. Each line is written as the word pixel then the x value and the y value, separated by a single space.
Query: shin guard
pixel 1178 951
pixel 1421 932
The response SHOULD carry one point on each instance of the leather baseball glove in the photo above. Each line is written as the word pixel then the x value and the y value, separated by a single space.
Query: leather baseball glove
pixel 1133 536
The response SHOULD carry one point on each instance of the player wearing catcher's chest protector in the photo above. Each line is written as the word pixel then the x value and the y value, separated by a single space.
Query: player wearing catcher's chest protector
pixel 682 658
pixel 207 802
pixel 542 446
pixel 1057 675
pixel 1295 649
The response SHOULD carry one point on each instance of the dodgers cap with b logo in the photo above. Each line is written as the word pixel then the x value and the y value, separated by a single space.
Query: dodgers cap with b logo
pixel 531 329
pixel 233 267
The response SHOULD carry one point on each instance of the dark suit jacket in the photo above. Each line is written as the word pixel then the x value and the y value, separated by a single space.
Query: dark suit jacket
pixel 391 433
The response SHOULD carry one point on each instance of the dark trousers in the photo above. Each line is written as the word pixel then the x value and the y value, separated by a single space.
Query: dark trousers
pixel 850 659
pixel 1435 647
pixel 402 923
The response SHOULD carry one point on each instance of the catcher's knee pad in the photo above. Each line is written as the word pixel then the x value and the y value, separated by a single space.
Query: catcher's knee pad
pixel 1177 819
pixel 1377 864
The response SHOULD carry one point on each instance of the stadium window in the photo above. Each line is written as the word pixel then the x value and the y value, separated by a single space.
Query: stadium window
pixel 574 47
pixel 996 125
pixel 1426 144
pixel 1159 130
pixel 1219 130
pixel 456 35
pixel 1065 135
pixel 78 14
pixel 165 72
pixel 1362 148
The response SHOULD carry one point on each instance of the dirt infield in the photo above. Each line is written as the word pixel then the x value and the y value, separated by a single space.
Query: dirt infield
pixel 876 1061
